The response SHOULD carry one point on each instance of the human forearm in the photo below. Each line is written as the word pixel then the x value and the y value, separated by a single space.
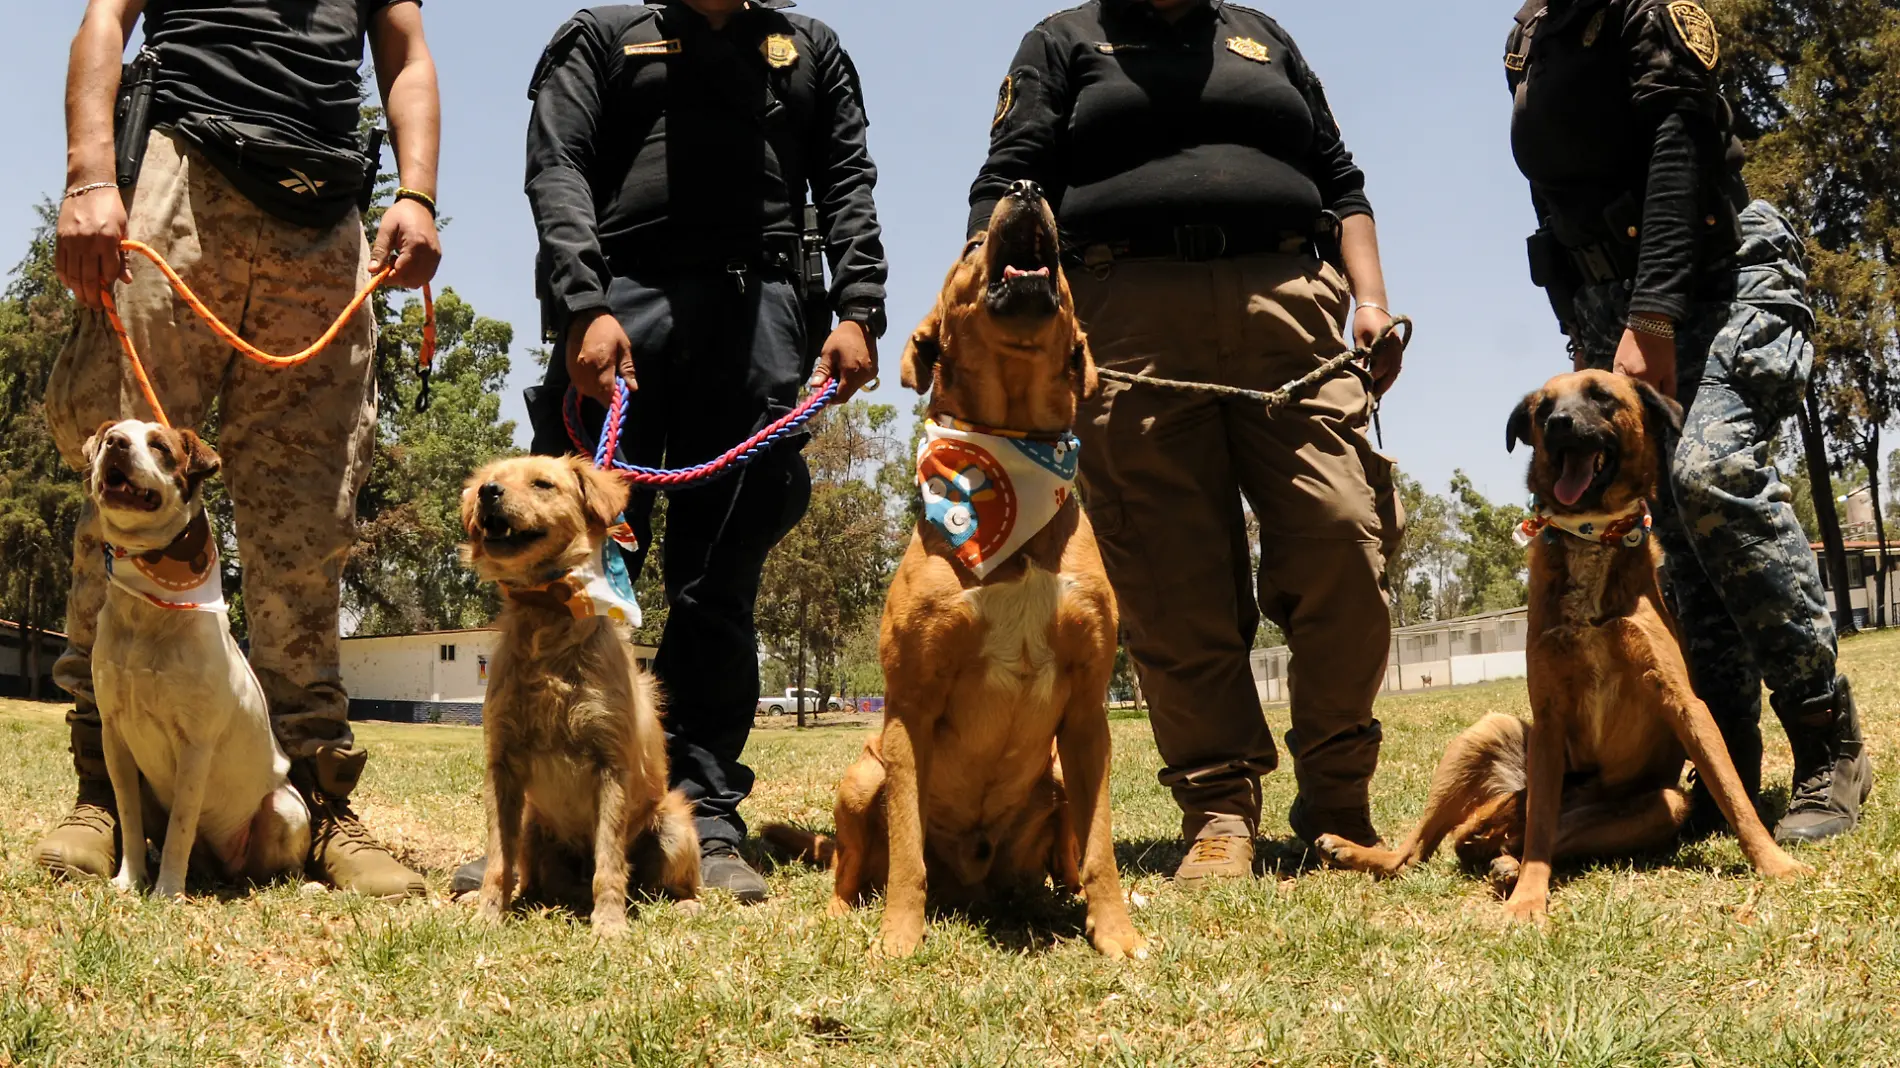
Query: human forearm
pixel 1359 245
pixel 92 87
pixel 406 71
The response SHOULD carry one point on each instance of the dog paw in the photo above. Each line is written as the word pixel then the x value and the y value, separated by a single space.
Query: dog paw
pixel 1334 850
pixel 900 940
pixel 169 890
pixel 690 906
pixel 1120 944
pixel 838 907
pixel 611 926
pixel 1784 867
pixel 489 908
pixel 1528 908
pixel 124 883
pixel 1503 873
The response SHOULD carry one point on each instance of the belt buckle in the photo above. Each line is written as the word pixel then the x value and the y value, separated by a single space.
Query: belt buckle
pixel 1200 241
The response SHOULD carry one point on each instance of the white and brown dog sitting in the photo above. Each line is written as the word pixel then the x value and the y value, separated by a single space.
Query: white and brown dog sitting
pixel 180 707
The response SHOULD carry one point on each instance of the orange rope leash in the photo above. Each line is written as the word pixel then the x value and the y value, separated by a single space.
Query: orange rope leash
pixel 231 338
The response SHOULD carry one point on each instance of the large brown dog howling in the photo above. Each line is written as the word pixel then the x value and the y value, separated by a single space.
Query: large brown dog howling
pixel 1598 771
pixel 989 677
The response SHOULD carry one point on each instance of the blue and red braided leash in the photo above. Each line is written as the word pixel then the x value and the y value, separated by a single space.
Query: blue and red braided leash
pixel 686 477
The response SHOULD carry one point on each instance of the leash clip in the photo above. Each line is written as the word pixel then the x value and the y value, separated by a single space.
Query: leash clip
pixel 424 395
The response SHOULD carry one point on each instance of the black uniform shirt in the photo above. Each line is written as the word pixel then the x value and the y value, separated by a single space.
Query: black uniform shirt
pixel 657 139
pixel 1130 122
pixel 288 65
pixel 1617 101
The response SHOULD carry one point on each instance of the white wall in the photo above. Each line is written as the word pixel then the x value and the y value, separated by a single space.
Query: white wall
pixel 409 667
pixel 1486 667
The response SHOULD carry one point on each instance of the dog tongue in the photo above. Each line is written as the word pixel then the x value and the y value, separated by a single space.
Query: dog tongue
pixel 1579 471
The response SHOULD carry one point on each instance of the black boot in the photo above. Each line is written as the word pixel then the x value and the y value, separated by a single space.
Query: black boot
pixel 722 868
pixel 1832 774
pixel 1741 734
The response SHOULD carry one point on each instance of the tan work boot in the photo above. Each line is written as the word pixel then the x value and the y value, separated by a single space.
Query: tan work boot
pixel 342 852
pixel 85 845
pixel 1222 849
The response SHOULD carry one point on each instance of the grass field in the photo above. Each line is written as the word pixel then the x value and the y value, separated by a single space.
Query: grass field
pixel 1682 960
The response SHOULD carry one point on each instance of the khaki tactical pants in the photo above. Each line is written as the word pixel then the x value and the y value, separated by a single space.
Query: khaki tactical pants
pixel 1163 477
pixel 295 441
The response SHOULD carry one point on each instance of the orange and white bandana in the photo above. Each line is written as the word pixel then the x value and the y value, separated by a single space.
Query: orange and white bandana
pixel 1628 529
pixel 989 492
pixel 600 587
pixel 183 576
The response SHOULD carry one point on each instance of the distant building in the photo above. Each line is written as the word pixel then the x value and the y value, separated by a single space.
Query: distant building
pixel 431 677
pixel 1863 568
pixel 1451 652
pixel 16 659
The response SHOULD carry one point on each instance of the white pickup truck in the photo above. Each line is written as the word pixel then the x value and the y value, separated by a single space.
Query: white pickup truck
pixel 790 701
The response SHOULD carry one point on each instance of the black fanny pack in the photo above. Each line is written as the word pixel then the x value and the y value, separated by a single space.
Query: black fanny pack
pixel 304 184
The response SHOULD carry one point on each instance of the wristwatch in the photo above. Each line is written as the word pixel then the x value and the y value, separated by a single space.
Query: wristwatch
pixel 869 316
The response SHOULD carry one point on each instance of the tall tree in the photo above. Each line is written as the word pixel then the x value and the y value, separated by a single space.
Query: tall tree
pixel 40 498
pixel 1492 573
pixel 824 583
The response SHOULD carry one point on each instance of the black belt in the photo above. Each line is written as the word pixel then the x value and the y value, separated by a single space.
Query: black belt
pixel 1602 261
pixel 777 253
pixel 1192 244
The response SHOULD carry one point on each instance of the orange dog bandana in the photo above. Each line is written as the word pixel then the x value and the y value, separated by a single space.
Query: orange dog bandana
pixel 183 576
pixel 989 492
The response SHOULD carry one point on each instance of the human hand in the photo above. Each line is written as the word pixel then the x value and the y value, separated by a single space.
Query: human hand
pixel 1371 329
pixel 86 254
pixel 1648 358
pixel 408 232
pixel 850 356
pixel 598 350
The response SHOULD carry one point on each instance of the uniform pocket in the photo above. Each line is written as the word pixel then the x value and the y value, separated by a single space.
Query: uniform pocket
pixel 1764 358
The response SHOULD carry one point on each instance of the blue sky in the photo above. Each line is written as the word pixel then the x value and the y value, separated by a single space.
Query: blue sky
pixel 1418 89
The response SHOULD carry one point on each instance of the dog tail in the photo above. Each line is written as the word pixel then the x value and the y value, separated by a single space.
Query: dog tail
pixel 800 844
pixel 678 838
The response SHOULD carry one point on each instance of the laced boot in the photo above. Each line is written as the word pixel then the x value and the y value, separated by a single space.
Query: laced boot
pixel 85 845
pixel 342 851
pixel 1221 849
pixel 1832 774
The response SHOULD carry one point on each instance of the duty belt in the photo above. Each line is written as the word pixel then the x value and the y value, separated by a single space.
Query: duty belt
pixel 777 253
pixel 1191 244
pixel 1601 262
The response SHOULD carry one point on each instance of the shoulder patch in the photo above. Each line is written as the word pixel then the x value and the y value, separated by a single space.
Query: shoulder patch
pixel 1005 101
pixel 1697 32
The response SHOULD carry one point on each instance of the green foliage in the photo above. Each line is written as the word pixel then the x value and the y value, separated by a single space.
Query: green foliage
pixel 824 584
pixel 1492 576
pixel 40 498
pixel 406 573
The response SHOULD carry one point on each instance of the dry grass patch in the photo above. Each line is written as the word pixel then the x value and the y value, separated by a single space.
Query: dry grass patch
pixel 1681 960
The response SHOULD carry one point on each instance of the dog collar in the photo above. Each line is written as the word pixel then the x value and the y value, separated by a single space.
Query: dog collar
pixel 988 492
pixel 599 587
pixel 1629 528
pixel 182 577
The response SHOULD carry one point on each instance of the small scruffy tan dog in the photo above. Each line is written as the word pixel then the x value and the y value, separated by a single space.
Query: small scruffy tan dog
pixel 576 755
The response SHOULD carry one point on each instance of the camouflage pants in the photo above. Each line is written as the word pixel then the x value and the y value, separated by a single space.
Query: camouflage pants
pixel 295 441
pixel 1746 587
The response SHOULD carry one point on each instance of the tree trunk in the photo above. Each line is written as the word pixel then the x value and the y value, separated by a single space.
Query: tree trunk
pixel 30 642
pixel 799 696
pixel 1872 460
pixel 1821 488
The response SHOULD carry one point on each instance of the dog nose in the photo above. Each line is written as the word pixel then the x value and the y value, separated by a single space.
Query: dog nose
pixel 1560 424
pixel 1025 190
pixel 117 443
pixel 489 493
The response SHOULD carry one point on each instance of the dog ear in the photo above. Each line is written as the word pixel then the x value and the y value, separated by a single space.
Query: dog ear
pixel 1519 428
pixel 200 461
pixel 90 450
pixel 603 493
pixel 1662 416
pixel 918 369
pixel 1082 363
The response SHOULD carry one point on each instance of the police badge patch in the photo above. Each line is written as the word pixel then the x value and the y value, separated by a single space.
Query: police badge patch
pixel 1248 48
pixel 1697 31
pixel 780 51
pixel 1005 100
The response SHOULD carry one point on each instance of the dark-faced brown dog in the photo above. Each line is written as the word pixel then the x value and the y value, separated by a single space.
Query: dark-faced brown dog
pixel 576 755
pixel 988 678
pixel 1597 773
